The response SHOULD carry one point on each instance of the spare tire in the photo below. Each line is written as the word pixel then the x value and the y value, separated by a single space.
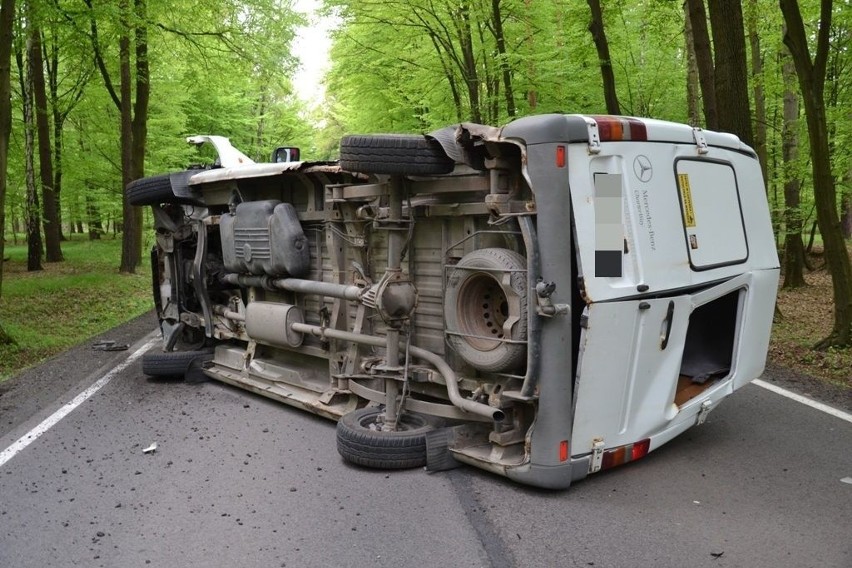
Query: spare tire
pixel 485 309
pixel 400 154
pixel 163 188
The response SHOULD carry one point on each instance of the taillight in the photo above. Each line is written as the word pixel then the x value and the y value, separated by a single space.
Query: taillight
pixel 625 454
pixel 560 156
pixel 616 128
pixel 563 450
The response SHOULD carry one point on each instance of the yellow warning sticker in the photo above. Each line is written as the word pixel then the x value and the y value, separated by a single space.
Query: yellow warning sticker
pixel 686 199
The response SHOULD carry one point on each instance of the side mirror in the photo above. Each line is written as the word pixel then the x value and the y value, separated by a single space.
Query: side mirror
pixel 285 154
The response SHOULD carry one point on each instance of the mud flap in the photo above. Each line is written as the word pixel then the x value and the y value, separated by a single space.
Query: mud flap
pixel 438 454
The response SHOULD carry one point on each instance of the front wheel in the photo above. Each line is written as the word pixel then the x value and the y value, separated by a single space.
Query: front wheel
pixel 360 440
pixel 163 189
pixel 173 363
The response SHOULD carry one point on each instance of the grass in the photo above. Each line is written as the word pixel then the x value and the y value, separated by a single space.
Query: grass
pixel 68 302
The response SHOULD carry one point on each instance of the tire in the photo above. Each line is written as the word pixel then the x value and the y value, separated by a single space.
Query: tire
pixel 403 449
pixel 486 296
pixel 164 188
pixel 400 154
pixel 172 363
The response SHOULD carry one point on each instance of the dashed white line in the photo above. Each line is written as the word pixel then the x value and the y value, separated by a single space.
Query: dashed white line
pixel 66 409
pixel 837 413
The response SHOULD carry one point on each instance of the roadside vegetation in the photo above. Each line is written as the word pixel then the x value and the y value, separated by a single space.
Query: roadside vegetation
pixel 68 302
pixel 803 317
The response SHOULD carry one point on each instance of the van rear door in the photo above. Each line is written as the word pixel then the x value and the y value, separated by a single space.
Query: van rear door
pixel 678 323
pixel 687 218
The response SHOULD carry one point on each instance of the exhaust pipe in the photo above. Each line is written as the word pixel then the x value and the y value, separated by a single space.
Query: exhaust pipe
pixel 446 371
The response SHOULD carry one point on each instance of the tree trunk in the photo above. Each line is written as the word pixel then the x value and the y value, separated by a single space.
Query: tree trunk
pixel 596 28
pixel 58 119
pixel 93 219
pixel 32 215
pixel 139 125
pixel 7 18
pixel 130 254
pixel 262 102
pixel 48 197
pixel 811 76
pixel 500 38
pixel 469 69
pixel 704 60
pixel 846 206
pixel 532 94
pixel 730 69
pixel 132 152
pixel 794 248
pixel 34 244
pixel 757 89
pixel 692 86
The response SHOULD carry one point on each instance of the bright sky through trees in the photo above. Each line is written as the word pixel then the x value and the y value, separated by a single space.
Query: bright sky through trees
pixel 311 47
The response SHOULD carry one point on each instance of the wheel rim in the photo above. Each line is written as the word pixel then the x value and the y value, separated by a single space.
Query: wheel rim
pixel 483 310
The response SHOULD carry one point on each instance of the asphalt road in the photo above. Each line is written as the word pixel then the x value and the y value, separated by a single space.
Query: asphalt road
pixel 237 480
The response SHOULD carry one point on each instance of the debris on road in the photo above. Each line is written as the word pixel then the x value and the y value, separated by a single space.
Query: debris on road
pixel 109 345
pixel 150 449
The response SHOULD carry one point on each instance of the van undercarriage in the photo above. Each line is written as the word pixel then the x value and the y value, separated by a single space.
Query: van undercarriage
pixel 435 306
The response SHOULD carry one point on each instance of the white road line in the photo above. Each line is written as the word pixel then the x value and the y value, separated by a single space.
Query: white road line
pixel 805 400
pixel 54 418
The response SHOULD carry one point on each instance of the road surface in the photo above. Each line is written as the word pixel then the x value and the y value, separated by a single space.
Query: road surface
pixel 237 480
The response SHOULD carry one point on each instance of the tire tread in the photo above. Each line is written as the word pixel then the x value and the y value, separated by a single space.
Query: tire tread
pixel 401 154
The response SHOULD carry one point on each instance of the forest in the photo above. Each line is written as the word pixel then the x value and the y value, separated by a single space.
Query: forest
pixel 97 93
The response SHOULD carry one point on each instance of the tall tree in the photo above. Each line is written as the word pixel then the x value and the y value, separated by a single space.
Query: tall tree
pixel 50 218
pixel 730 70
pixel 794 248
pixel 596 28
pixel 74 67
pixel 692 85
pixel 133 117
pixel 753 14
pixel 496 27
pixel 704 61
pixel 812 75
pixel 7 20
pixel 26 70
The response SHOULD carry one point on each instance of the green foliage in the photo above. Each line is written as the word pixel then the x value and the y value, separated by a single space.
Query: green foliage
pixel 216 68
pixel 45 313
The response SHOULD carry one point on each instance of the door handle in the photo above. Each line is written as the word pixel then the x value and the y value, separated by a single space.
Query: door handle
pixel 666 329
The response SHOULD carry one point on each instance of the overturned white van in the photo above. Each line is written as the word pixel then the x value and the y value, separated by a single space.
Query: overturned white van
pixel 543 300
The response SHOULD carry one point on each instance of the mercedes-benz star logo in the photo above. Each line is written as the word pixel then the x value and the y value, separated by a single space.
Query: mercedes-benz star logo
pixel 642 168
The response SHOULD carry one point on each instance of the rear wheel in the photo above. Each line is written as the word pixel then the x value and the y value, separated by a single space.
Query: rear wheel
pixel 400 154
pixel 361 441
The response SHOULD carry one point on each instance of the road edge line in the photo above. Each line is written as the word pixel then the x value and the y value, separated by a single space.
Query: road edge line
pixel 836 412
pixel 68 407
